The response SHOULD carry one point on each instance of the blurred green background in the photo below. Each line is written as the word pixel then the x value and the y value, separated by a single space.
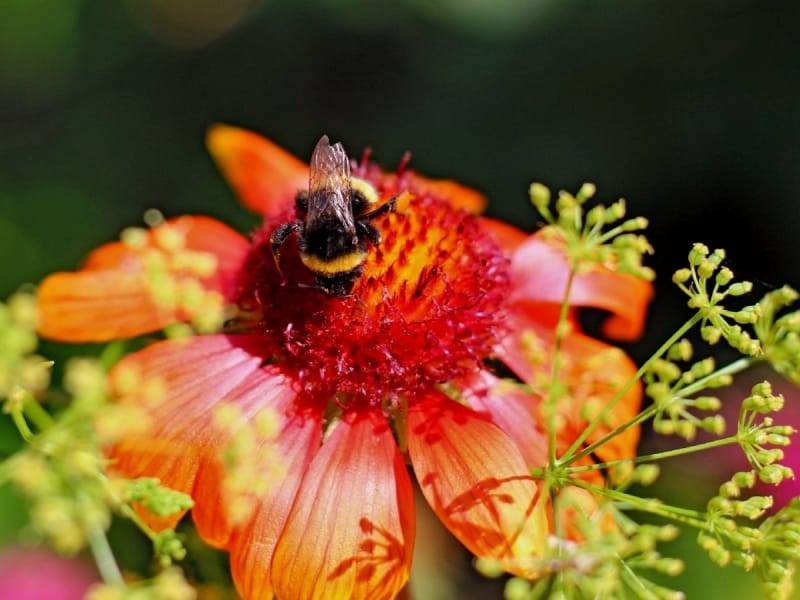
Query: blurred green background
pixel 689 109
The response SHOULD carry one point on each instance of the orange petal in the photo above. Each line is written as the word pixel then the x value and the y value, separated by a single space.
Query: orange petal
pixel 189 378
pixel 508 237
pixel 350 533
pixel 112 297
pixel 476 481
pixel 266 177
pixel 253 545
pixel 592 372
pixel 97 306
pixel 458 195
pixel 540 272
pixel 198 234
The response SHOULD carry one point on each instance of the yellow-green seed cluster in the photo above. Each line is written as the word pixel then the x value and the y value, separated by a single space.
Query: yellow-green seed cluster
pixel 597 236
pixel 708 284
pixel 674 392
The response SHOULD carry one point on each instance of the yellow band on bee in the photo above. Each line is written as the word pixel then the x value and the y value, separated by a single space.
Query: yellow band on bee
pixel 365 189
pixel 333 266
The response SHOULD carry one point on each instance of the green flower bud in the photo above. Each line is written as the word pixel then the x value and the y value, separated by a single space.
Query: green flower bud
pixel 697 254
pixel 714 424
pixel 587 191
pixel 778 440
pixel 647 474
pixel 595 216
pixel 711 334
pixel 775 474
pixel 707 403
pixel 740 289
pixel 745 479
pixel 681 350
pixel 540 196
pixel 681 276
pixel 517 589
pixel 729 489
pixel 724 277
pixel 706 269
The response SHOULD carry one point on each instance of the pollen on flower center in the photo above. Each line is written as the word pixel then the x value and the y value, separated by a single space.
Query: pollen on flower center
pixel 425 310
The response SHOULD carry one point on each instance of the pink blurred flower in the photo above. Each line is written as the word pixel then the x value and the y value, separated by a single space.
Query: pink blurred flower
pixel 36 574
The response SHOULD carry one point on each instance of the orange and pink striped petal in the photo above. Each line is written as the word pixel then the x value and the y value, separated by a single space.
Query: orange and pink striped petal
pixel 477 482
pixel 512 409
pixel 177 384
pixel 252 545
pixel 350 533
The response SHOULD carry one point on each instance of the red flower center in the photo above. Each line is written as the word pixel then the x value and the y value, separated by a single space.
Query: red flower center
pixel 426 310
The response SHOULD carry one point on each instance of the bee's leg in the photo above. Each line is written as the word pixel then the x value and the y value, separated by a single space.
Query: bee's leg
pixel 278 237
pixel 386 207
pixel 369 231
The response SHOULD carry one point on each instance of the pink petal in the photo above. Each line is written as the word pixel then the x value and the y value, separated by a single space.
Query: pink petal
pixel 539 271
pixel 292 447
pixel 513 410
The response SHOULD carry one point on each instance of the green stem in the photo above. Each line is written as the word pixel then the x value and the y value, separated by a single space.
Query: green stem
pixel 104 557
pixel 655 507
pixel 570 455
pixel 21 424
pixel 735 367
pixel 552 399
pixel 656 456
pixel 554 508
pixel 635 584
pixel 37 415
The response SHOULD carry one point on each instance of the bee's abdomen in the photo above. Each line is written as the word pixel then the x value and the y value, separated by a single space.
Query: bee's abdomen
pixel 328 244
pixel 327 267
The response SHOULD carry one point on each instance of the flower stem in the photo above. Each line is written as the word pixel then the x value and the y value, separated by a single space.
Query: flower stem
pixel 657 455
pixel 570 455
pixel 552 397
pixel 655 507
pixel 103 556
pixel 736 366
pixel 37 415
pixel 22 425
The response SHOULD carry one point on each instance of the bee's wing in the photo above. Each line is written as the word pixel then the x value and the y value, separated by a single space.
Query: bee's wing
pixel 329 185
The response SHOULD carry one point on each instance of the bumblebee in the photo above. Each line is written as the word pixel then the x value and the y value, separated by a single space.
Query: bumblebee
pixel 333 221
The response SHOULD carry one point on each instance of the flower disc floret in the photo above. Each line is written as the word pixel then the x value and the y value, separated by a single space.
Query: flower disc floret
pixel 426 310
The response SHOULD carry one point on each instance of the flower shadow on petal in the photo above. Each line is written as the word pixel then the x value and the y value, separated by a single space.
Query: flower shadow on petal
pixel 476 481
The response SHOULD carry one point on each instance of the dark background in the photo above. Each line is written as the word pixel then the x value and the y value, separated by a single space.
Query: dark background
pixel 689 109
